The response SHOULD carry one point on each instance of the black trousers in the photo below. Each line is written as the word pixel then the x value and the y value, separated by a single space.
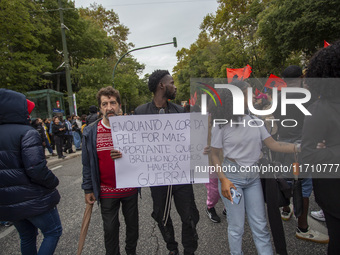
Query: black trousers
pixel 58 140
pixel 185 205
pixel 333 225
pixel 110 211
pixel 52 141
pixel 68 143
pixel 270 192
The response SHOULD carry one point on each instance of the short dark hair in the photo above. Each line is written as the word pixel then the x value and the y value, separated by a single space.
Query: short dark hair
pixel 325 64
pixel 155 78
pixel 292 71
pixel 109 92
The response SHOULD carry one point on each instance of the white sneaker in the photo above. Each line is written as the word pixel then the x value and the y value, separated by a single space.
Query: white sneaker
pixel 286 215
pixel 312 235
pixel 318 215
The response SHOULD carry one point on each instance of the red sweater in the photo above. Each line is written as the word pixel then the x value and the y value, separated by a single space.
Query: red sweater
pixel 107 166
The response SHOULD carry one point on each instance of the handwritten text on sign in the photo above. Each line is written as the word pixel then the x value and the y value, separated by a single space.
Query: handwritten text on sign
pixel 157 150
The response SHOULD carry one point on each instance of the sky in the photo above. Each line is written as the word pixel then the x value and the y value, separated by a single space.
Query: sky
pixel 153 22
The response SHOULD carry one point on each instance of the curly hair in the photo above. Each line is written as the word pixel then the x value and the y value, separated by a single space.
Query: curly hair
pixel 155 78
pixel 109 92
pixel 325 64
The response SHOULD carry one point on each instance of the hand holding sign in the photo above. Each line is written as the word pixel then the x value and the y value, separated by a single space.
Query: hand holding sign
pixel 115 154
pixel 158 150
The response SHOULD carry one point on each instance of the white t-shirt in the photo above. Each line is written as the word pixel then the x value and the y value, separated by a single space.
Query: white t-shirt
pixel 241 142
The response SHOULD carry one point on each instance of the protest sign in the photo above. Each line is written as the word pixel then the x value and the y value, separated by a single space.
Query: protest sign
pixel 159 149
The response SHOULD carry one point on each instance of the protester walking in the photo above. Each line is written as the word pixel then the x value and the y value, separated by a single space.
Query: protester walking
pixel 28 194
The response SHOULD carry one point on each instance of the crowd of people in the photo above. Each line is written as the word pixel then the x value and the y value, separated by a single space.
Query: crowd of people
pixel 59 134
pixel 314 140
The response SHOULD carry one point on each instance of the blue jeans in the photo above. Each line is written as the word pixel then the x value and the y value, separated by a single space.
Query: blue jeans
pixel 49 224
pixel 48 146
pixel 76 139
pixel 252 202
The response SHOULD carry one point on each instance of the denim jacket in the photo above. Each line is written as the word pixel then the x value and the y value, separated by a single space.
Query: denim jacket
pixel 91 176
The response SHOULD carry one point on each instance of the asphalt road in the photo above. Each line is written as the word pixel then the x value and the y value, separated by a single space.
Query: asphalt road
pixel 212 236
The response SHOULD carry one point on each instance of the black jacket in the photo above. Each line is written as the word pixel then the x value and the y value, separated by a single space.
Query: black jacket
pixel 292 112
pixel 92 117
pixel 40 130
pixel 27 186
pixel 150 108
pixel 324 124
pixel 56 131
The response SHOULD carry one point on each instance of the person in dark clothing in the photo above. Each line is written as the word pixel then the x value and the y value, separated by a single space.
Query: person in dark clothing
pixel 28 194
pixel 48 124
pixel 47 135
pixel 68 135
pixel 99 179
pixel 162 85
pixel 76 132
pixel 93 116
pixel 58 131
pixel 323 126
pixel 37 124
pixel 292 76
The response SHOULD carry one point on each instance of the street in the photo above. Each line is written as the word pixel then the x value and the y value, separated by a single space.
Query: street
pixel 212 236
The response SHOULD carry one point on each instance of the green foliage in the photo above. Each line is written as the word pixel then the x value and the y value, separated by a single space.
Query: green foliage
pixel 299 27
pixel 20 58
pixel 31 45
pixel 266 34
pixel 94 74
pixel 108 20
pixel 86 97
pixel 130 86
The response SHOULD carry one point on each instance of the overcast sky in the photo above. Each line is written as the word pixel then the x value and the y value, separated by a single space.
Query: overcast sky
pixel 153 22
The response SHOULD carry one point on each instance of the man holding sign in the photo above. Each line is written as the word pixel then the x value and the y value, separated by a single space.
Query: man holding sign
pixel 161 84
pixel 99 179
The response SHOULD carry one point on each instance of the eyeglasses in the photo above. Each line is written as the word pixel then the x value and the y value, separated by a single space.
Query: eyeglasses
pixel 161 111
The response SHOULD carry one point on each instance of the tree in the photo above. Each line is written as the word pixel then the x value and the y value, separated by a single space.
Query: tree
pixel 98 73
pixel 108 20
pixel 296 29
pixel 196 62
pixel 21 62
pixel 235 24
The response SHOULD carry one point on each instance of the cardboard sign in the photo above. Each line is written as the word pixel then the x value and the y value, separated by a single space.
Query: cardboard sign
pixel 159 149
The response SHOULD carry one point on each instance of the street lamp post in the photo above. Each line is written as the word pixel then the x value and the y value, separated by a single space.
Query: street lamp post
pixel 174 42
pixel 67 65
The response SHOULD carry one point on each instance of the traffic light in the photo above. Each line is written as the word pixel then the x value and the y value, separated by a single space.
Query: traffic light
pixel 175 42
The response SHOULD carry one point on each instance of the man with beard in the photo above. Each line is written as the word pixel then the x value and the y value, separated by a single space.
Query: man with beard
pixel 161 84
pixel 99 179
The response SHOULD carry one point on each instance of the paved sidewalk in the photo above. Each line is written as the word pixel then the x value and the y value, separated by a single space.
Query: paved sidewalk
pixel 53 160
